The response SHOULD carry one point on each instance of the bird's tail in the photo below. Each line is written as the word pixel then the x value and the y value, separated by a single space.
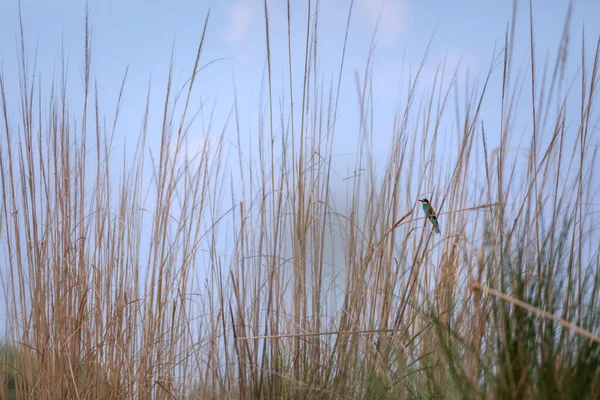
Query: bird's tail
pixel 436 226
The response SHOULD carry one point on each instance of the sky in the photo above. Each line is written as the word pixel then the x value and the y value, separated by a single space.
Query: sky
pixel 143 34
pixel 143 37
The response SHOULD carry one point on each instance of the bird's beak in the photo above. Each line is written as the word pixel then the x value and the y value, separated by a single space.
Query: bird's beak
pixel 419 200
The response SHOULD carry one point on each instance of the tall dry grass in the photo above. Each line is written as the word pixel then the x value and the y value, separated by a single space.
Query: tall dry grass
pixel 318 297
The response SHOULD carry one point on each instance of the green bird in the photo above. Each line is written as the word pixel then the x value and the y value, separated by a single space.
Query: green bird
pixel 430 213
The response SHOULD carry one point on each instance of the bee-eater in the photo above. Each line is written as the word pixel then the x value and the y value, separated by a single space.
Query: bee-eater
pixel 430 213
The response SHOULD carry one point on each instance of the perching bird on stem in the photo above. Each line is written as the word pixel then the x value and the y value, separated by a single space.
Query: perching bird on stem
pixel 430 214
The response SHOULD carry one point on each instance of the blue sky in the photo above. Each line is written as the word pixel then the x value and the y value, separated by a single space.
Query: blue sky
pixel 144 34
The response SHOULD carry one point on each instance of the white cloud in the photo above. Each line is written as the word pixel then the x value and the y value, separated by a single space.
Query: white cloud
pixel 391 15
pixel 239 17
